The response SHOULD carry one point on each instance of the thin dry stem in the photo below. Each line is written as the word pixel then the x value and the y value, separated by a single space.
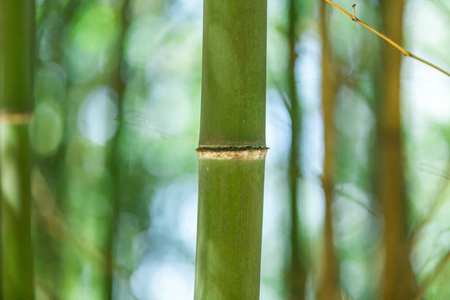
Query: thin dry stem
pixel 439 268
pixel 58 228
pixel 440 198
pixel 400 48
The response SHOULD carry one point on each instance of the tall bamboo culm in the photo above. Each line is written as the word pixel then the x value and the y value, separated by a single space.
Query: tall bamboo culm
pixel 298 265
pixel 329 286
pixel 398 279
pixel 16 104
pixel 231 150
pixel 114 160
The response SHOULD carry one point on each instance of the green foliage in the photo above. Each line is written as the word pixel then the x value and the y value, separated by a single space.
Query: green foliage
pixel 73 184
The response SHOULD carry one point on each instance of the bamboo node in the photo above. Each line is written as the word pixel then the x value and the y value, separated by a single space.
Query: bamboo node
pixel 16 118
pixel 232 153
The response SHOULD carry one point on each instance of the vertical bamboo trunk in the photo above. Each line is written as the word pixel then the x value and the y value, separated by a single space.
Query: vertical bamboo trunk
pixel 297 273
pixel 398 280
pixel 329 286
pixel 231 150
pixel 1 239
pixel 16 57
pixel 63 257
pixel 114 159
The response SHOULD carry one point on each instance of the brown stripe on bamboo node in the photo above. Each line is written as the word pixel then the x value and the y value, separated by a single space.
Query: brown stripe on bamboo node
pixel 232 153
pixel 16 118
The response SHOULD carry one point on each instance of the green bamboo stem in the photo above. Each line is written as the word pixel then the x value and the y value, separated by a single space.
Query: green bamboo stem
pixel 234 74
pixel 229 228
pixel 297 272
pixel 16 56
pixel 114 158
pixel 231 150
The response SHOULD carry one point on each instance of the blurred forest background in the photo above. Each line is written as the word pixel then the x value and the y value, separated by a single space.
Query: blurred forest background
pixel 115 127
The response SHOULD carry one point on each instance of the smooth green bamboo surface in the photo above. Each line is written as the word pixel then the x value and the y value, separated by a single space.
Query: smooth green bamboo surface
pixel 17 266
pixel 16 55
pixel 234 73
pixel 16 52
pixel 231 150
pixel 229 229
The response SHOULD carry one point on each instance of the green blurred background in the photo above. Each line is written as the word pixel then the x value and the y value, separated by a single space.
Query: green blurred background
pixel 132 196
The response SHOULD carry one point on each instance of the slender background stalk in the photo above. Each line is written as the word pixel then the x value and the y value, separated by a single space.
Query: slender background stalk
pixel 114 160
pixel 52 168
pixel 330 282
pixel 398 277
pixel 298 264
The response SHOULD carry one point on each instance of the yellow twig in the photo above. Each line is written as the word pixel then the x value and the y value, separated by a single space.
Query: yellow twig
pixel 439 199
pixel 400 48
pixel 439 268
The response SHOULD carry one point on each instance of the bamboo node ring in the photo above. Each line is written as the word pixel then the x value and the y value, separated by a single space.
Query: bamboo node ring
pixel 16 118
pixel 232 153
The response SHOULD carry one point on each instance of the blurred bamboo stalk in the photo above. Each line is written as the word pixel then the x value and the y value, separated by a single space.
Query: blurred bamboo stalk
pixel 386 38
pixel 398 279
pixel 114 157
pixel 16 103
pixel 329 288
pixel 52 268
pixel 56 226
pixel 231 150
pixel 298 265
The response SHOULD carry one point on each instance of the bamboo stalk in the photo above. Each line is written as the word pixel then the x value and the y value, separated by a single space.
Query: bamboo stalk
pixel 231 150
pixel 398 280
pixel 55 166
pixel 298 264
pixel 114 157
pixel 329 287
pixel 16 61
